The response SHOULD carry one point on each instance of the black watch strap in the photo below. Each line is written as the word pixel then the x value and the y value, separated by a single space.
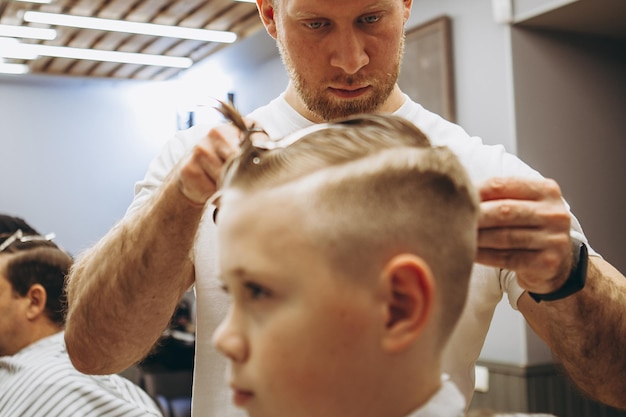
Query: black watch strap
pixel 574 283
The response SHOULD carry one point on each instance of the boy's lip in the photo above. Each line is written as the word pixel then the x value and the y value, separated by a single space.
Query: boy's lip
pixel 241 396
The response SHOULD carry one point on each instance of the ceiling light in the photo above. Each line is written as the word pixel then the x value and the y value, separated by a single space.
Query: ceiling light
pixel 112 56
pixel 31 51
pixel 247 1
pixel 13 68
pixel 130 27
pixel 37 1
pixel 27 32
pixel 12 48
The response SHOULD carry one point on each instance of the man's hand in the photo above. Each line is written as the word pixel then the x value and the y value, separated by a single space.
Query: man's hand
pixel 197 175
pixel 525 227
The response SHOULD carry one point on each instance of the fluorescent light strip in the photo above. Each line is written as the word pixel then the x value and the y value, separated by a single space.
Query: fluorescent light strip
pixel 31 51
pixel 37 1
pixel 12 48
pixel 27 32
pixel 112 56
pixel 9 42
pixel 130 27
pixel 16 52
pixel 13 68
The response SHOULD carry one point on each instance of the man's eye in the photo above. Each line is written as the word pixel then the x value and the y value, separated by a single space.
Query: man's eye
pixel 257 291
pixel 371 19
pixel 314 25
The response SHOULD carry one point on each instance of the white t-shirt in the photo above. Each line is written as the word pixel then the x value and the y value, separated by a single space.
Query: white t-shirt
pixel 211 396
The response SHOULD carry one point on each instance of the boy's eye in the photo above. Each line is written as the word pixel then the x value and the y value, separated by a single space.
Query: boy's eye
pixel 256 291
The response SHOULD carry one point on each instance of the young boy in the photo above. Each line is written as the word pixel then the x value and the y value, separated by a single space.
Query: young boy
pixel 342 302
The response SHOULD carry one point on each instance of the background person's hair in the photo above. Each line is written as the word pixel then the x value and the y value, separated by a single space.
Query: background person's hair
pixel 10 224
pixel 45 264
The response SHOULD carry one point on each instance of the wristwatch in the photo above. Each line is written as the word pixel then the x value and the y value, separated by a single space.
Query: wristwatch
pixel 576 280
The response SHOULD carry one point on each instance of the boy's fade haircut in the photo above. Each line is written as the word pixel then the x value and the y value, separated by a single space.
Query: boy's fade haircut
pixel 379 189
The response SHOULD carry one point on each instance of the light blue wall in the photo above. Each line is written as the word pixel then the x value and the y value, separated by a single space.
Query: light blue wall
pixel 71 150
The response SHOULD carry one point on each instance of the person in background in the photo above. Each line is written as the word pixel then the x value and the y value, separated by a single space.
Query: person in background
pixel 343 61
pixel 37 378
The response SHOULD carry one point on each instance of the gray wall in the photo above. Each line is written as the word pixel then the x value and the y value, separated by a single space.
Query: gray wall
pixel 570 106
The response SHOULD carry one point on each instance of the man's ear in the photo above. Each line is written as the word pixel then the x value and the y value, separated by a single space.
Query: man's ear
pixel 407 9
pixel 37 301
pixel 410 292
pixel 266 11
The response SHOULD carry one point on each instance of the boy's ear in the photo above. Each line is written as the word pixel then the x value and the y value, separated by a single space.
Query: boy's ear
pixel 37 298
pixel 266 11
pixel 410 292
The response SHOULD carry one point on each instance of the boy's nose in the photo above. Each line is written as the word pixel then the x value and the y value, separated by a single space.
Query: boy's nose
pixel 229 342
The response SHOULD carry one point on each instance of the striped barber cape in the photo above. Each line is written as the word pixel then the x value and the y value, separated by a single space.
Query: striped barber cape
pixel 40 381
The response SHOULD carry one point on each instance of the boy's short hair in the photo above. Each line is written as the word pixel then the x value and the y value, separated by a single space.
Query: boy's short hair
pixel 317 147
pixel 380 190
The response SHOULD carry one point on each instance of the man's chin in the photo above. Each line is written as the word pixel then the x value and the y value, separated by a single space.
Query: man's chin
pixel 331 112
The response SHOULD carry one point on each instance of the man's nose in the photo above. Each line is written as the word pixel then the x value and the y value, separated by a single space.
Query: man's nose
pixel 348 51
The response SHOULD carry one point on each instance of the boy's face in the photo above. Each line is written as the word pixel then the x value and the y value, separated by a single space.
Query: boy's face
pixel 342 60
pixel 301 339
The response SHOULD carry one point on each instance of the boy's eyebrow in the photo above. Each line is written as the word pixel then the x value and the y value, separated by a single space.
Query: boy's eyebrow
pixel 221 277
pixel 240 273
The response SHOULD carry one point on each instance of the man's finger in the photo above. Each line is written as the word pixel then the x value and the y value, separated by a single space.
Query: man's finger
pixel 224 140
pixel 507 259
pixel 518 189
pixel 509 213
pixel 514 239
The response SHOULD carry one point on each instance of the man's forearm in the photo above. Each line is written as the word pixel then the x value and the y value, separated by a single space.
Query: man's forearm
pixel 123 291
pixel 587 332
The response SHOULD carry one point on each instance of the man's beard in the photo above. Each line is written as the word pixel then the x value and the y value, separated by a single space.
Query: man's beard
pixel 328 108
